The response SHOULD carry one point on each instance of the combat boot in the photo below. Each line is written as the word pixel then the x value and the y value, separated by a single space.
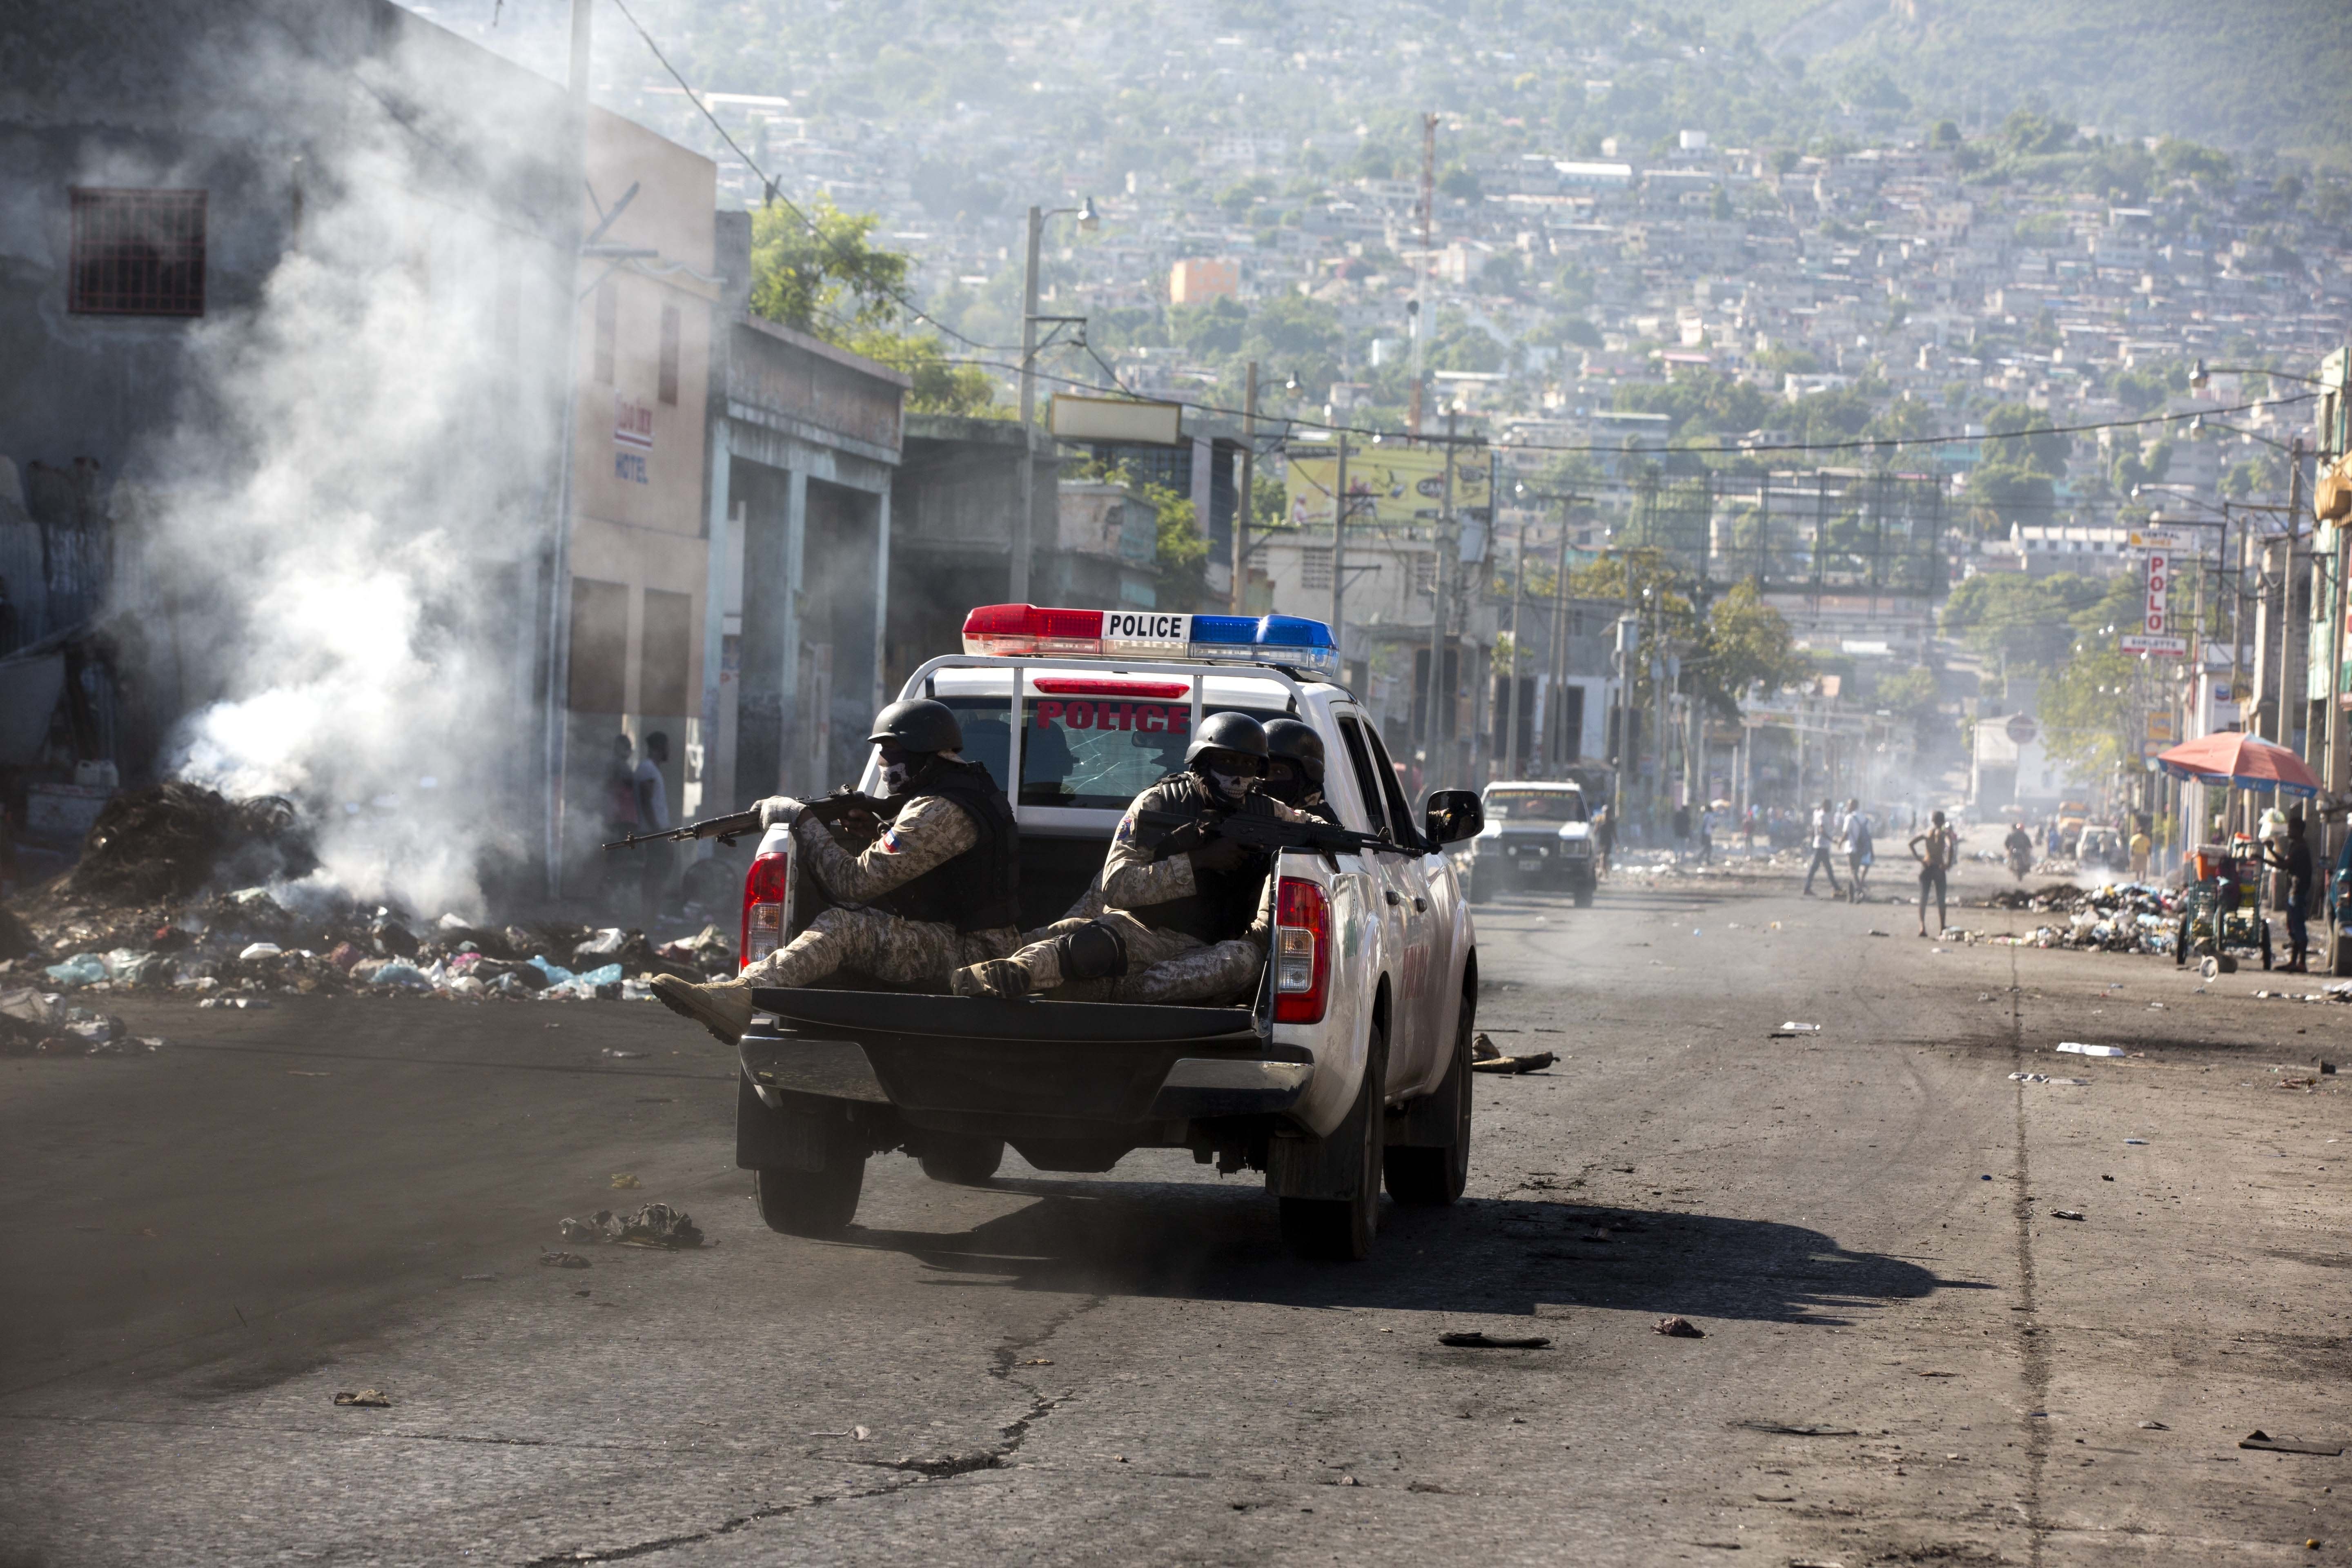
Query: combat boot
pixel 723 1006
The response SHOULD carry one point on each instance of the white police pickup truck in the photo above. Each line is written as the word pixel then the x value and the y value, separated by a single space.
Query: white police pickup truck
pixel 1352 1064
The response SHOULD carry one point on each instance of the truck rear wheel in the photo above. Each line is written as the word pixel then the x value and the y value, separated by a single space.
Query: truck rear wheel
pixel 1340 1230
pixel 1437 1174
pixel 1584 895
pixel 818 1203
pixel 960 1159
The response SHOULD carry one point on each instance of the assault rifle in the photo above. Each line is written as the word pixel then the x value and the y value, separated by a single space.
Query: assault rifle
pixel 1256 826
pixel 841 804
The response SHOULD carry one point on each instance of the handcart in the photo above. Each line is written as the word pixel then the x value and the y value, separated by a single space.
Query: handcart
pixel 2222 907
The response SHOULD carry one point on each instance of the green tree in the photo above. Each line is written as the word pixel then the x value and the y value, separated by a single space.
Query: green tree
pixel 2026 621
pixel 941 387
pixel 2040 452
pixel 1182 562
pixel 824 276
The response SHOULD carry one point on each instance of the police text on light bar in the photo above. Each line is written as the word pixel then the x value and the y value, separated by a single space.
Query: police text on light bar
pixel 1033 631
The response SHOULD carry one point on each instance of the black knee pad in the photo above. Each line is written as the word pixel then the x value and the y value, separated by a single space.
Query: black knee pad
pixel 1094 952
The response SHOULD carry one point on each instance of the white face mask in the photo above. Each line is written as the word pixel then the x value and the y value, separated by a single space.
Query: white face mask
pixel 1232 786
pixel 895 776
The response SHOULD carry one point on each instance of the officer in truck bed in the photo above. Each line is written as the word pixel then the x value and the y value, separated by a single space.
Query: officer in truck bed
pixel 934 892
pixel 1184 927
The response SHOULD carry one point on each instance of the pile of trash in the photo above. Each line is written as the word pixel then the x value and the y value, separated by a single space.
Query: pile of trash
pixel 141 912
pixel 2114 917
pixel 38 1023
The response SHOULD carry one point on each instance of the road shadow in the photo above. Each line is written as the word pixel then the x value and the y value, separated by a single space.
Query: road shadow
pixel 1502 1256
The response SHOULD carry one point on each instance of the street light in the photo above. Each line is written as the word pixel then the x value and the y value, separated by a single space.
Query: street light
pixel 1088 221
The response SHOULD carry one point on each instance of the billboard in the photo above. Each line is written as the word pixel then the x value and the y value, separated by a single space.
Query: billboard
pixel 2158 619
pixel 1396 486
pixel 1125 420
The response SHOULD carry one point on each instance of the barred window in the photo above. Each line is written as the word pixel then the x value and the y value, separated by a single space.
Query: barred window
pixel 1315 569
pixel 137 253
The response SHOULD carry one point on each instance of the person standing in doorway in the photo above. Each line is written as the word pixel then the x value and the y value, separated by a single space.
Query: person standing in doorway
pixel 2294 861
pixel 652 793
pixel 1934 847
pixel 1824 840
pixel 619 807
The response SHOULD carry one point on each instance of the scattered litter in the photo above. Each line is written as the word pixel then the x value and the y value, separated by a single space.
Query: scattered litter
pixel 260 950
pixel 2258 1438
pixel 2154 1426
pixel 2046 1077
pixel 1534 1061
pixel 1781 1429
pixel 623 1056
pixel 1483 1050
pixel 654 1226
pixel 1801 1028
pixel 860 1434
pixel 623 1182
pixel 242 1004
pixel 2066 1214
pixel 365 1398
pixel 563 1260
pixel 1475 1339
pixel 1881 933
pixel 2140 1140
pixel 1678 1329
pixel 1036 1361
pixel 2077 1048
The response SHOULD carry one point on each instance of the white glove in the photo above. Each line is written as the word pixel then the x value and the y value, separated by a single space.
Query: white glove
pixel 779 809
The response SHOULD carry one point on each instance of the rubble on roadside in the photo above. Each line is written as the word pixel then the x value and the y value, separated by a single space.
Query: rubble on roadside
pixel 2114 917
pixel 180 889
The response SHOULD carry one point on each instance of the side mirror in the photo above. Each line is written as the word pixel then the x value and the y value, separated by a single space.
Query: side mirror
pixel 1453 816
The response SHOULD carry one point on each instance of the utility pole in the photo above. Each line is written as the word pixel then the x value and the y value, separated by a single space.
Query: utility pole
pixel 1511 680
pixel 1339 561
pixel 1437 608
pixel 1419 310
pixel 1240 596
pixel 1557 700
pixel 559 556
pixel 1017 587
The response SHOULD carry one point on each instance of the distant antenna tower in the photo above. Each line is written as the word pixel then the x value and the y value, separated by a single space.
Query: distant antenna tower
pixel 1421 277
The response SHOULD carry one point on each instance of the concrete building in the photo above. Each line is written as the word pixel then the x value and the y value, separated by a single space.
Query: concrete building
pixel 1196 281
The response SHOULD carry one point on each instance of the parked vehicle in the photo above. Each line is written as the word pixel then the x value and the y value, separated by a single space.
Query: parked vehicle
pixel 1537 838
pixel 1349 1067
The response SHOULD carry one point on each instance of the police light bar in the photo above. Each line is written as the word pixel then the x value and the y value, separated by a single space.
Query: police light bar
pixel 1033 631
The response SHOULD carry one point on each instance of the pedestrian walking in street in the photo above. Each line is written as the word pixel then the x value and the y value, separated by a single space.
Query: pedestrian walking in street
pixel 1858 850
pixel 2294 861
pixel 1604 836
pixel 1824 840
pixel 619 807
pixel 2140 846
pixel 1935 849
pixel 1707 821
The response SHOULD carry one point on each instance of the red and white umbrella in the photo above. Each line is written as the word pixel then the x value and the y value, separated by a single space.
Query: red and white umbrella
pixel 2241 761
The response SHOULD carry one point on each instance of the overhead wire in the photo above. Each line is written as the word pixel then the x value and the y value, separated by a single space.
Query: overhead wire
pixel 768 186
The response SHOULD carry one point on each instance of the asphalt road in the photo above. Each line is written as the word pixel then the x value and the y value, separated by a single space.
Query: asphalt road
pixel 1907 1357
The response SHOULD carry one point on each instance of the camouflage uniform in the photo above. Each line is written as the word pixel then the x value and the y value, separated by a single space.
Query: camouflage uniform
pixel 928 834
pixel 1164 965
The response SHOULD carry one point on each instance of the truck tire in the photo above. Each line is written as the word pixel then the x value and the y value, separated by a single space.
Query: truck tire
pixel 1584 895
pixel 818 1203
pixel 960 1159
pixel 1340 1230
pixel 1433 1175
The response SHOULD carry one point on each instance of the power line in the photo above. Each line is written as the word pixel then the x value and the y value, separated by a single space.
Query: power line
pixel 1858 443
pixel 768 186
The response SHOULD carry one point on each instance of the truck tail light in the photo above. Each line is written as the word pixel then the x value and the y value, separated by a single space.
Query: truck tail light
pixel 764 906
pixel 1302 952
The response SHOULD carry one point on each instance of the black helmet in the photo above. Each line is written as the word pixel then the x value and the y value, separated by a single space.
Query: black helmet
pixel 1299 743
pixel 1228 732
pixel 917 725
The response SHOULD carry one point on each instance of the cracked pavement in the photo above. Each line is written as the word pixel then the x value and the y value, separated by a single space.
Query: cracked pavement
pixel 1907 1357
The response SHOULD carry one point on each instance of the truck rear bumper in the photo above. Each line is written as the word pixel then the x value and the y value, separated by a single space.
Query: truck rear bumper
pixel 1020 1068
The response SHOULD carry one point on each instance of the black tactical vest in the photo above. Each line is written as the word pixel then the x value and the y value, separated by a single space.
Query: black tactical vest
pixel 1226 903
pixel 979 888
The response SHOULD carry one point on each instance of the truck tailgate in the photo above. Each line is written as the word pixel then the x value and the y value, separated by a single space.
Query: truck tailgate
pixel 1060 1062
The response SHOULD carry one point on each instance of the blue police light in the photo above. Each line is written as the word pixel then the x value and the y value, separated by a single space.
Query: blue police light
pixel 1268 639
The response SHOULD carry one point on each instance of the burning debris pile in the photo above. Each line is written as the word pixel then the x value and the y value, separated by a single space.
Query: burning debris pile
pixel 145 910
pixel 2115 917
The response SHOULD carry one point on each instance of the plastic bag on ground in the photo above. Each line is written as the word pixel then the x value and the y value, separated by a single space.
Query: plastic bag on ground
pixel 81 969
pixel 400 971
